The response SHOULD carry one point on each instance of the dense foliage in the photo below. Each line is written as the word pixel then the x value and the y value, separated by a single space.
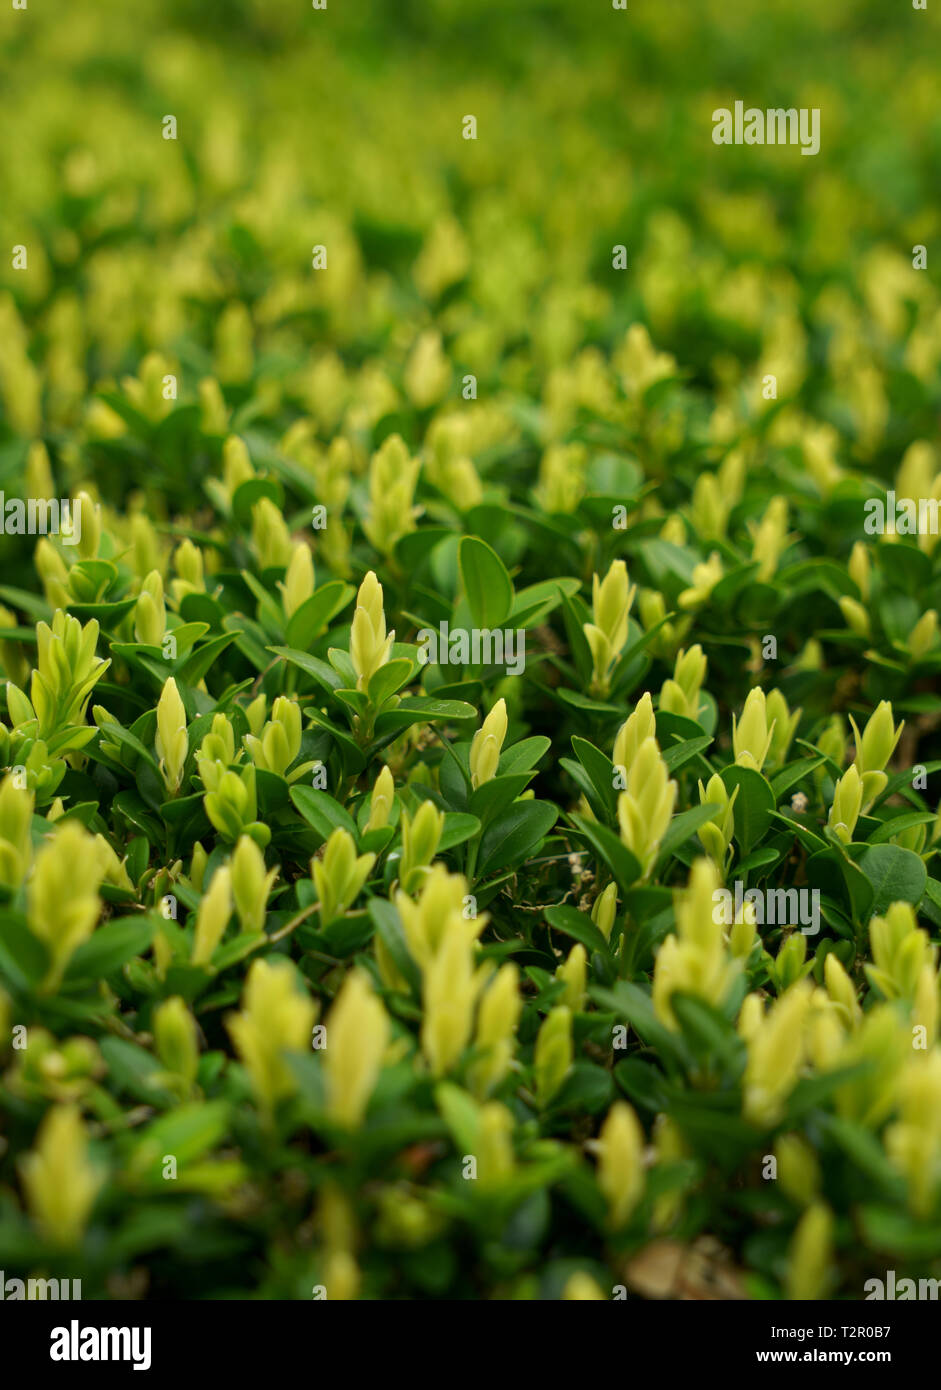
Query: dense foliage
pixel 329 968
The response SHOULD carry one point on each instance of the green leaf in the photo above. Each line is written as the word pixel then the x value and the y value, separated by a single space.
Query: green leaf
pixel 197 665
pixel 896 875
pixel 312 666
pixel 494 796
pixel 897 1233
pixel 23 957
pixel 321 811
pixel 510 838
pixel 588 1090
pixel 523 756
pixel 579 926
pixel 487 586
pixel 789 776
pixel 186 1133
pixel 311 618
pixel 458 828
pixel 682 753
pixel 388 927
pixel 682 828
pixel 387 680
pixel 625 866
pixel 894 825
pixel 865 1150
pixel 754 806
pixel 134 1069
pixel 249 493
pixel 600 770
pixel 461 1115
pixel 630 1002
pixel 710 1036
pixel 422 709
pixel 109 947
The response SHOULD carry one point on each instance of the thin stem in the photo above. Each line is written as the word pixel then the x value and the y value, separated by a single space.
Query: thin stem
pixel 294 922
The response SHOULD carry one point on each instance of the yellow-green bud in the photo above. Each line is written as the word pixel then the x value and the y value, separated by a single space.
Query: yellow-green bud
pixel 604 910
pixel 213 411
pixel 369 645
pixel 250 884
pixel 62 895
pixel 680 695
pixel 925 1013
pixel 172 741
pixel 775 1053
pixel 176 1039
pixel 256 713
pixel 218 746
pixel 277 1016
pixel 39 481
pixel 574 974
pixel 840 988
pixel 393 475
pixel 751 736
pixel 357 1038
pixel 298 584
pixel 874 748
pixel 770 538
pixel 612 598
pixel 88 518
pixel 847 804
pixel 553 1054
pixel 66 672
pixel 231 804
pixel 16 814
pixel 58 1179
pixel 150 615
pixel 621 1162
pixel 784 725
pixel 798 1168
pixel 581 1288
pixel 427 372
pixel 708 508
pixel 640 724
pixel 646 805
pixel 900 950
pixel 280 741
pixel 188 563
pixel 53 572
pixel 339 875
pixel 496 1030
pixel 437 914
pixel 486 745
pixel 270 535
pixel 810 1254
pixel 791 962
pixel 212 916
pixel 695 960
pixel 855 616
pixel 913 1142
pixel 860 568
pixel 383 797
pixel 495 1160
pixel 716 834
pixel 420 839
pixel 236 464
pixel 744 932
pixel 450 987
pixel 923 635
pixel 706 576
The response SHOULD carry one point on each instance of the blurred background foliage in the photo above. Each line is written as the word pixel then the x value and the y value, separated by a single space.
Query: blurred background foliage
pixel 447 257
pixel 343 127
